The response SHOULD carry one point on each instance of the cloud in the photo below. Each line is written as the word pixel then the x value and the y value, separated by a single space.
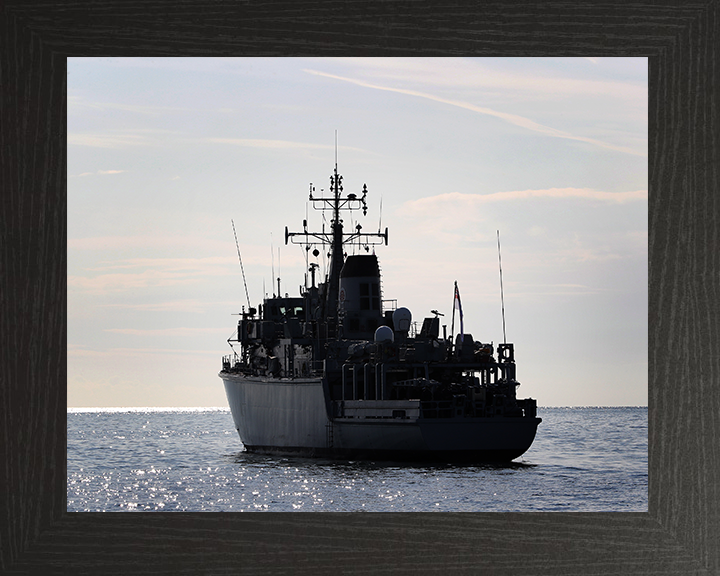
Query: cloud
pixel 453 215
pixel 457 198
pixel 256 143
pixel 278 144
pixel 124 282
pixel 146 242
pixel 100 172
pixel 180 331
pixel 527 290
pixel 107 140
pixel 180 306
pixel 514 119
pixel 123 138
pixel 456 225
pixel 76 102
pixel 535 77
pixel 152 138
pixel 79 351
pixel 166 263
pixel 138 273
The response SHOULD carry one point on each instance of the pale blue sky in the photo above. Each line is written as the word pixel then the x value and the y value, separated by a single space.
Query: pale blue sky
pixel 164 152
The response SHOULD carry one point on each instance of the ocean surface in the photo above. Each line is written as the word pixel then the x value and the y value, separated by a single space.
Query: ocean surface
pixel 191 459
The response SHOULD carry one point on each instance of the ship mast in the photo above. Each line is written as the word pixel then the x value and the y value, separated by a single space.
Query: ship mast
pixel 336 238
pixel 338 254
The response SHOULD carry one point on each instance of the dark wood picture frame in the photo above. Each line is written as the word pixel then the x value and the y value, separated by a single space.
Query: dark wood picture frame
pixel 680 534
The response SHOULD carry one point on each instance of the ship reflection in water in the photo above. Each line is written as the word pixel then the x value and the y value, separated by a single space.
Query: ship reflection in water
pixel 339 372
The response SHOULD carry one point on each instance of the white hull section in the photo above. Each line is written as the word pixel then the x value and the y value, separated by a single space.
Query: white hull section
pixel 277 412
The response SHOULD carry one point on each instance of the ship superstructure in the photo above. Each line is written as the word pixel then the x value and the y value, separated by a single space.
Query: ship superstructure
pixel 337 372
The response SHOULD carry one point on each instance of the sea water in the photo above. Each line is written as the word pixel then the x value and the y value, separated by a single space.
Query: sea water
pixel 136 459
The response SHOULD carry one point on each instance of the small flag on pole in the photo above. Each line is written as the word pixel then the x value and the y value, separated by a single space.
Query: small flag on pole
pixel 458 305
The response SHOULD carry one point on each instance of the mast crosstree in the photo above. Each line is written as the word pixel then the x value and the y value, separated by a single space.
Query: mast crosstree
pixel 336 238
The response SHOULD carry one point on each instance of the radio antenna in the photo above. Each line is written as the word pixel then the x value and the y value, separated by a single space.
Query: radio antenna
pixel 272 260
pixel 502 297
pixel 241 264
pixel 380 221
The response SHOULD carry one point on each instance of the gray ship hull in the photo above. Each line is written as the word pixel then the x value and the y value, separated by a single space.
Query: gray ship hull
pixel 291 416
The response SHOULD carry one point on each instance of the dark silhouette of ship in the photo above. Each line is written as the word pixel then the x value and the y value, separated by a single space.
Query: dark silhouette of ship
pixel 339 372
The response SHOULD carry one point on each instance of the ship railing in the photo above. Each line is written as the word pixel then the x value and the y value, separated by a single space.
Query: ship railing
pixel 317 367
pixel 436 408
pixel 361 387
pixel 415 382
pixel 389 305
pixel 231 361
pixel 363 381
pixel 369 380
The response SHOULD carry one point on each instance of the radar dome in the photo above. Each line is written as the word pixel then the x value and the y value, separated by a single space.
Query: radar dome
pixel 401 319
pixel 384 334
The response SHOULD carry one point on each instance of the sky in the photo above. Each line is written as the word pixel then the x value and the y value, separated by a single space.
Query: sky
pixel 165 154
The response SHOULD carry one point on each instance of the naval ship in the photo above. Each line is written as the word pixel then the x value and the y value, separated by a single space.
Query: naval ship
pixel 339 372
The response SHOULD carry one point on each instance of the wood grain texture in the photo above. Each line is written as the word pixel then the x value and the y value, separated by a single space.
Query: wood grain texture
pixel 680 535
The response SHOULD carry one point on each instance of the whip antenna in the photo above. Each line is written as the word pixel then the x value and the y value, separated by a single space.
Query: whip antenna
pixel 502 297
pixel 241 264
pixel 380 221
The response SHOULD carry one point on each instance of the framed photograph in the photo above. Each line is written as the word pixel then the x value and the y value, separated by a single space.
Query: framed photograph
pixel 677 533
